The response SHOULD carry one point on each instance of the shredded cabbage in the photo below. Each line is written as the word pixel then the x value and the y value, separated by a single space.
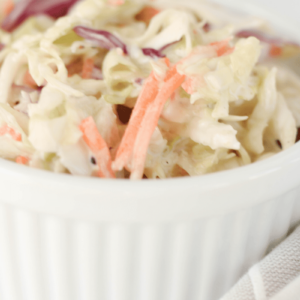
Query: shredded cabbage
pixel 209 80
pixel 262 113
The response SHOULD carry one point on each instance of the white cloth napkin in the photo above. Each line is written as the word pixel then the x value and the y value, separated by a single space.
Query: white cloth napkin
pixel 276 277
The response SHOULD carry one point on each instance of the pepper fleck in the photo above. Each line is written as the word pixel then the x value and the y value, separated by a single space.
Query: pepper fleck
pixel 279 144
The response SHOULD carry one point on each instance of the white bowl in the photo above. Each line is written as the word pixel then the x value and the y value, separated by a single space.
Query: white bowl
pixel 67 238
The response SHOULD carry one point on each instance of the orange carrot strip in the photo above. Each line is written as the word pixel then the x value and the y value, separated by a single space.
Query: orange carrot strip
pixel 98 146
pixel 192 83
pixel 167 62
pixel 21 160
pixel 227 51
pixel 275 50
pixel 8 130
pixel 149 123
pixel 74 68
pixel 171 72
pixel 8 7
pixel 116 2
pixel 28 80
pixel 146 14
pixel 221 47
pixel 146 96
pixel 87 68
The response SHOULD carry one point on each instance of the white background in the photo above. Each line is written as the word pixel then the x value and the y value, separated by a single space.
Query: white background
pixel 289 9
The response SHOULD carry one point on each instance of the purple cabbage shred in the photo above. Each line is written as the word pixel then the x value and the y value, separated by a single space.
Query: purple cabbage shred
pixel 26 8
pixel 101 38
pixel 157 53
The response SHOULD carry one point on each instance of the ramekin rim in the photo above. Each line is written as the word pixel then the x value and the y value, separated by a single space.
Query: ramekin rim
pixel 212 180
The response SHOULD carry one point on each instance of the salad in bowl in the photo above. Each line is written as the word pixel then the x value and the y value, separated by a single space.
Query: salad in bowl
pixel 142 89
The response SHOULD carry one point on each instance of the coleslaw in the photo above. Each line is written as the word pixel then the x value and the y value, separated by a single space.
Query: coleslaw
pixel 142 89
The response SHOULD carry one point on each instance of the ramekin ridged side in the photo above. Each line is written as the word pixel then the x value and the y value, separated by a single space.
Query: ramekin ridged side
pixel 44 257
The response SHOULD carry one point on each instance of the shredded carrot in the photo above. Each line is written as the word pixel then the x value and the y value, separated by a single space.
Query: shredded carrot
pixel 87 68
pixel 75 67
pixel 227 52
pixel 21 160
pixel 149 123
pixel 28 80
pixel 146 14
pixel 171 73
pixel 8 7
pixel 275 50
pixel 173 96
pixel 8 130
pixel 146 96
pixel 116 2
pixel 143 121
pixel 183 172
pixel 167 62
pixel 98 146
pixel 193 83
pixel 222 47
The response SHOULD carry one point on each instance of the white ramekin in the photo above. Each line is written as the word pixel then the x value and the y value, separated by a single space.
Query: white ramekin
pixel 71 238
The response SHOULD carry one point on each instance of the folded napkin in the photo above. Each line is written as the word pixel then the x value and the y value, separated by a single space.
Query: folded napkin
pixel 276 277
